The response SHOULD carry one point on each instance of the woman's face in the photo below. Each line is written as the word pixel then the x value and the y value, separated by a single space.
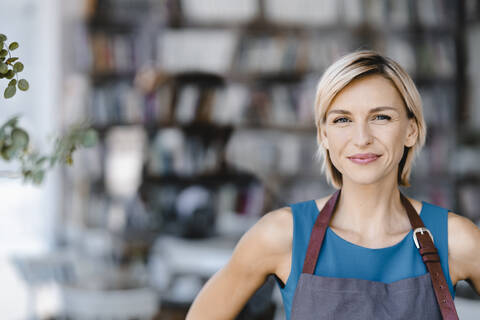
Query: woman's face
pixel 366 130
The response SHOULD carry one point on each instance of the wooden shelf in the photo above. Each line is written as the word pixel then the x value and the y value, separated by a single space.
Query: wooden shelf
pixel 414 34
pixel 205 127
pixel 208 178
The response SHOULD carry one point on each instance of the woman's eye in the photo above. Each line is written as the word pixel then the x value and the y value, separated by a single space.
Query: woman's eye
pixel 343 119
pixel 382 117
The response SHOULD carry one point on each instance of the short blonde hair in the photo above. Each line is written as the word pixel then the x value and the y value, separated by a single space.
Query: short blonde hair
pixel 353 66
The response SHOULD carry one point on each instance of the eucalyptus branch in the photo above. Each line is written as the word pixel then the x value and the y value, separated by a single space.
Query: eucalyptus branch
pixel 10 68
pixel 15 141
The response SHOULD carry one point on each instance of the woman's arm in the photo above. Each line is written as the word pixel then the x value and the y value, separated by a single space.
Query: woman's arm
pixel 464 250
pixel 259 253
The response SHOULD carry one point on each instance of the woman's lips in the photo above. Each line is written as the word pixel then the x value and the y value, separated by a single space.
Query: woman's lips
pixel 364 158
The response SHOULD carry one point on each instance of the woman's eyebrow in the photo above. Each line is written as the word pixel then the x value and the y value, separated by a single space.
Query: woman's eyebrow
pixel 376 109
pixel 382 108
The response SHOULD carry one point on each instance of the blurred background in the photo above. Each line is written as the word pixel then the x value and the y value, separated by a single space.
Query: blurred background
pixel 204 110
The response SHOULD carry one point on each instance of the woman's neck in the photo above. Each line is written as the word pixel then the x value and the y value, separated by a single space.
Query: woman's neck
pixel 370 210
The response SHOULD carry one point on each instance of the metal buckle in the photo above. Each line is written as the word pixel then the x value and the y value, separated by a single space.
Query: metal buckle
pixel 421 230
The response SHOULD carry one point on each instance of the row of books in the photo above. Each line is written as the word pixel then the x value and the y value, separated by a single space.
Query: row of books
pixel 237 103
pixel 469 201
pixel 225 52
pixel 321 13
pixel 439 106
pixel 436 156
pixel 269 153
pixel 473 77
pixel 173 152
pixel 465 161
pixel 113 53
pixel 354 12
pixel 303 12
pixel 122 11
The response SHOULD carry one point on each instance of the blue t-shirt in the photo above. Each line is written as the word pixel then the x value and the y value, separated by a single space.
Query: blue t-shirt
pixel 342 259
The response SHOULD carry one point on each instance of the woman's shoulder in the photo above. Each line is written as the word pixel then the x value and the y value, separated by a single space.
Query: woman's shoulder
pixel 276 229
pixel 262 247
pixel 272 234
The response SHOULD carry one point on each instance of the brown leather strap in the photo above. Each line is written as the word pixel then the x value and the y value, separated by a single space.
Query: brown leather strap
pixel 318 233
pixel 430 257
pixel 427 250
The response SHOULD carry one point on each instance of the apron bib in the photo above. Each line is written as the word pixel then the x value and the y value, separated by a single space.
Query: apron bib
pixel 317 297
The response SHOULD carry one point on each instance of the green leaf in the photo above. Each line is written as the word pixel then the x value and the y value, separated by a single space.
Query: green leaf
pixel 3 68
pixel 3 37
pixel 23 85
pixel 14 151
pixel 11 122
pixel 69 159
pixel 9 152
pixel 27 174
pixel 10 74
pixel 12 82
pixel 3 53
pixel 41 160
pixel 13 46
pixel 18 67
pixel 90 138
pixel 12 60
pixel 9 92
pixel 1 44
pixel 38 176
pixel 20 138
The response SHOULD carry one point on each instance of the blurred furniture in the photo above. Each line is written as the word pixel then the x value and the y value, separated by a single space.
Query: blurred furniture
pixel 86 304
pixel 467 309
pixel 41 270
pixel 88 289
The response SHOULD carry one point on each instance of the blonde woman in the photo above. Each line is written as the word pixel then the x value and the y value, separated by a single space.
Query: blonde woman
pixel 366 251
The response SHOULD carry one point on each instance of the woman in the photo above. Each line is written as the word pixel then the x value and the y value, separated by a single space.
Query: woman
pixel 362 260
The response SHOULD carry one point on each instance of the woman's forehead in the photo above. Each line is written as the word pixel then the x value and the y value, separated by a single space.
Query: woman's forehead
pixel 367 93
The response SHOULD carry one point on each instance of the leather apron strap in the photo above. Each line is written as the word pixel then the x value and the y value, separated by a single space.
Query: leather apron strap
pixel 422 238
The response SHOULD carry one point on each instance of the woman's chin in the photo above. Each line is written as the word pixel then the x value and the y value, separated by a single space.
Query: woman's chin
pixel 365 179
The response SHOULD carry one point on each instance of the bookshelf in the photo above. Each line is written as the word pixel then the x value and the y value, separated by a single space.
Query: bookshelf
pixel 223 91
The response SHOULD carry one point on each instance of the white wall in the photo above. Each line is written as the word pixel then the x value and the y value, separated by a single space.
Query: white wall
pixel 27 213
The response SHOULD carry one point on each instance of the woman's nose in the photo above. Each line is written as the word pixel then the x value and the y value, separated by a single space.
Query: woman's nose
pixel 362 135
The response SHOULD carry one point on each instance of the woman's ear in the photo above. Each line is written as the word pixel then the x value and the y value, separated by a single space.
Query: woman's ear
pixel 412 133
pixel 323 138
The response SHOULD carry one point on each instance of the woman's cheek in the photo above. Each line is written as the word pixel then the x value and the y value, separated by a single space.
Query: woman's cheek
pixel 334 155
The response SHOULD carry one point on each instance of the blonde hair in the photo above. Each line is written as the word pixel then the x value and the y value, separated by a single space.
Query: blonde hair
pixel 353 66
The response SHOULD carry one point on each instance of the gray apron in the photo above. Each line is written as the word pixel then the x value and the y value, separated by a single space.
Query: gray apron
pixel 318 297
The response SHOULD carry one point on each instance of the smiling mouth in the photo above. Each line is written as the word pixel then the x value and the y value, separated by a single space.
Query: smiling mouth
pixel 364 158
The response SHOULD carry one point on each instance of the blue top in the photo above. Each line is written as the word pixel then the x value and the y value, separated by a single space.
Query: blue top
pixel 342 259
